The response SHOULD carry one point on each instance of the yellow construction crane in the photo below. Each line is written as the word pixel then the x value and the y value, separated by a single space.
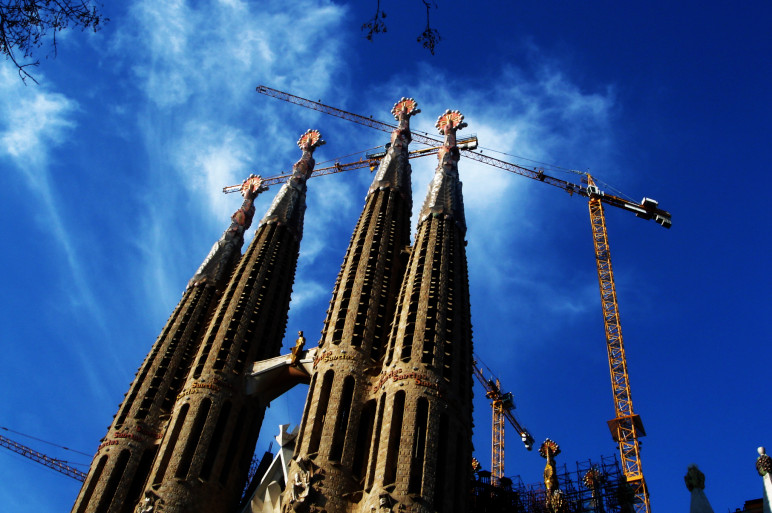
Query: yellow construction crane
pixel 502 404
pixel 626 427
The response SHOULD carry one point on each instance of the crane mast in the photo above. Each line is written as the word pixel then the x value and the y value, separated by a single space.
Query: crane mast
pixel 626 427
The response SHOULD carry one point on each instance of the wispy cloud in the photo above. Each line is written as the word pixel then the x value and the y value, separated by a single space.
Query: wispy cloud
pixel 204 126
pixel 35 123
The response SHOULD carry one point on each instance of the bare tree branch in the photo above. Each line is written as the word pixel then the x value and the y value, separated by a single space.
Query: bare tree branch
pixel 25 25
pixel 375 25
pixel 429 38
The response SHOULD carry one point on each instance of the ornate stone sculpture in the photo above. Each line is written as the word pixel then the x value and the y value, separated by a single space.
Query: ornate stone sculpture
pixel 150 504
pixel 301 483
pixel 695 483
pixel 554 500
pixel 763 462
pixel 593 479
pixel 227 247
pixel 694 478
pixel 394 169
pixel 764 468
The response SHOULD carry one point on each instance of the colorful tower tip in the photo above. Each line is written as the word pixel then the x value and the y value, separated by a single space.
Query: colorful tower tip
pixel 549 447
pixel 405 107
pixel 310 140
pixel 450 120
pixel 252 185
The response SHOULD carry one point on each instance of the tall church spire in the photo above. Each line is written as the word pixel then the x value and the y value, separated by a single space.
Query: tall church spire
pixel 444 197
pixel 423 453
pixel 204 456
pixel 122 462
pixel 337 431
pixel 219 262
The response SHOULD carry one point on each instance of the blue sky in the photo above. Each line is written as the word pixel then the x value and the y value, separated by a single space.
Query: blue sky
pixel 112 169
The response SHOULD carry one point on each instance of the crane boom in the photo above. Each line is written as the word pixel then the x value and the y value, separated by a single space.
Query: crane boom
pixel 60 466
pixel 371 160
pixel 647 209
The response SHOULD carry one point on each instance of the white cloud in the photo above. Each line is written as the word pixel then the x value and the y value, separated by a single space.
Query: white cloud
pixel 307 292
pixel 35 123
pixel 204 126
pixel 33 120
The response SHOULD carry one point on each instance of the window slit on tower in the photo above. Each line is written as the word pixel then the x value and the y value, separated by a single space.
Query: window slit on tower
pixel 143 371
pixel 450 284
pixel 341 422
pixel 419 447
pixel 302 430
pixel 138 481
pixel 395 434
pixel 321 413
pixel 195 435
pixel 366 292
pixel 217 437
pixel 183 366
pixel 112 483
pixel 95 477
pixel 364 440
pixel 430 326
pixel 351 275
pixel 233 446
pixel 171 443
pixel 413 300
pixel 376 442
pixel 442 449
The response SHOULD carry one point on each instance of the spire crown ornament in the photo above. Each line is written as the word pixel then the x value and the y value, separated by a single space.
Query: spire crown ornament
pixel 310 140
pixel 405 108
pixel 450 120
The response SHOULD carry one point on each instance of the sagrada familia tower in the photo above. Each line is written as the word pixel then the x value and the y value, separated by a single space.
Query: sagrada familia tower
pixel 387 424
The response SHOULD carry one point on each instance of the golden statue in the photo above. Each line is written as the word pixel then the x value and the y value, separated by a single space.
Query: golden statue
pixel 299 343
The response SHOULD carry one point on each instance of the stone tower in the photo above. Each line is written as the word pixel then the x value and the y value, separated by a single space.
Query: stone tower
pixel 186 430
pixel 423 457
pixel 388 426
pixel 338 424
pixel 122 462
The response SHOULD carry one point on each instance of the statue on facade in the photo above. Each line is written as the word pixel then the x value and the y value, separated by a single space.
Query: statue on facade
pixel 151 503
pixel 301 483
pixel 299 343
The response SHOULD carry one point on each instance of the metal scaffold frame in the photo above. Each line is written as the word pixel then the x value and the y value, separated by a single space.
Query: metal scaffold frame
pixel 595 487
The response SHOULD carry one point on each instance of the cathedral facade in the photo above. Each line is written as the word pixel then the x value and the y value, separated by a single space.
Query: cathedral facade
pixel 387 424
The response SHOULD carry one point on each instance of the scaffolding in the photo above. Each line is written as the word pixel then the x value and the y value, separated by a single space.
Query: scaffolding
pixel 594 487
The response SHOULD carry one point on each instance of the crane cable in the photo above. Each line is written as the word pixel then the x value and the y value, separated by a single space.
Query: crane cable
pixel 47 442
